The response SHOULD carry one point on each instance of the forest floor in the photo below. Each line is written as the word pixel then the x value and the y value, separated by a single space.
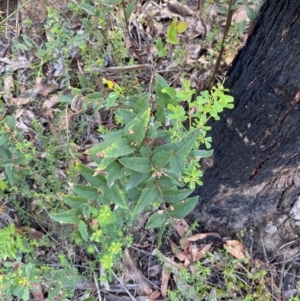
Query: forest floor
pixel 63 65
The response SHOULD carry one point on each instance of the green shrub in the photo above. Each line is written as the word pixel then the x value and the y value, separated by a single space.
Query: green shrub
pixel 149 163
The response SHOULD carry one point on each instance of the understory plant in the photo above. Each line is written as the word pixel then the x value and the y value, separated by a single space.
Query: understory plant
pixel 150 162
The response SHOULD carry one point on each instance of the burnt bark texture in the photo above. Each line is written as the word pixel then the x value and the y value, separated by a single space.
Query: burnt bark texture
pixel 253 178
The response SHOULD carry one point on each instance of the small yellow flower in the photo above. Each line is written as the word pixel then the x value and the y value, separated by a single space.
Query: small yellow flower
pixel 109 83
pixel 24 281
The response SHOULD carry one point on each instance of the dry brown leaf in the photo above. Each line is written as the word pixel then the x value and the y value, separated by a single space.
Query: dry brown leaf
pixel 36 10
pixel 93 223
pixel 31 94
pixel 181 227
pixel 65 121
pixel 169 262
pixel 198 236
pixel 155 295
pixel 187 262
pixel 76 104
pixel 136 275
pixel 235 248
pixel 177 252
pixel 165 276
pixel 185 244
pixel 178 8
pixel 199 254
pixel 32 232
pixel 50 102
pixel 36 291
pixel 154 270
pixel 229 56
pixel 7 87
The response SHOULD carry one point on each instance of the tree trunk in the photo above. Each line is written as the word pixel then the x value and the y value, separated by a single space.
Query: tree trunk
pixel 253 179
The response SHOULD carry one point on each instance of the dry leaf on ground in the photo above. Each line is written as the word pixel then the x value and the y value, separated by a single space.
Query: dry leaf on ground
pixel 36 291
pixel 198 236
pixel 165 276
pixel 235 248
pixel 181 227
pixel 198 254
pixel 132 272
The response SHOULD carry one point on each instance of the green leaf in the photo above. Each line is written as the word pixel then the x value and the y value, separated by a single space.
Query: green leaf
pixel 181 26
pixel 83 230
pixel 115 172
pixel 173 196
pixel 10 121
pixel 159 44
pixel 112 97
pixel 176 178
pixel 202 153
pixel 172 33
pixel 139 164
pixel 161 232
pixel 86 210
pixel 149 194
pixel 9 173
pixel 157 219
pixel 90 10
pixel 165 182
pixel 84 83
pixel 67 217
pixel 104 163
pixel 161 159
pixel 97 149
pixel 251 14
pixel 3 138
pixel 88 174
pixel 115 196
pixel 136 129
pixel 130 9
pixel 7 163
pixel 161 50
pixel 95 97
pixel 170 91
pixel 5 153
pixel 161 98
pixel 177 164
pixel 73 201
pixel 242 26
pixel 102 200
pixel 161 81
pixel 146 151
pixel 183 208
pixel 141 103
pixel 118 148
pixel 187 143
pixel 126 115
pixel 135 179
pixel 88 192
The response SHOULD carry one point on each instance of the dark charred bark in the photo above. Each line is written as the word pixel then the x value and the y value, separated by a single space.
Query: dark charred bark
pixel 254 175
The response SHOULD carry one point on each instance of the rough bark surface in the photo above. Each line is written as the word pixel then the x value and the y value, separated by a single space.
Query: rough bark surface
pixel 253 179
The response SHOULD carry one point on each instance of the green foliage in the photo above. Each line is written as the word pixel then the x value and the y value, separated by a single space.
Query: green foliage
pixel 20 279
pixel 150 162
pixel 17 279
pixel 237 280
pixel 11 243
pixel 24 165
pixel 143 165
pixel 174 29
